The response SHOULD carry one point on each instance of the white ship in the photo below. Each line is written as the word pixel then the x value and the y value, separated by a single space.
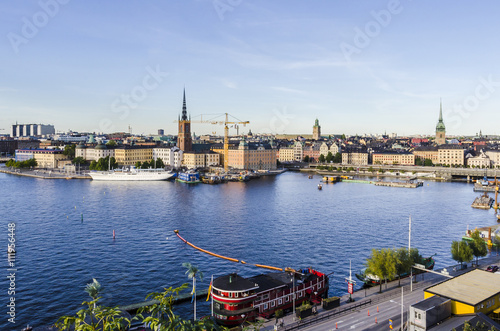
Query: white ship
pixel 132 175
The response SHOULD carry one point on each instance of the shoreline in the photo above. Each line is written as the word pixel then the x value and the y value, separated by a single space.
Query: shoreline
pixel 44 174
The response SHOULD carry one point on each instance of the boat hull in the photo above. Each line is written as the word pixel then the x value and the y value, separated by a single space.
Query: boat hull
pixel 117 176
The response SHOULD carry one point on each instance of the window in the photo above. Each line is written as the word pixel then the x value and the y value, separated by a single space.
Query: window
pixel 265 306
pixel 272 303
pixel 280 301
pixel 287 298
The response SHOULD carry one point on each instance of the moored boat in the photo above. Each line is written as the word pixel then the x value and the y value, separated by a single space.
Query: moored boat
pixel 132 174
pixel 188 177
pixel 237 299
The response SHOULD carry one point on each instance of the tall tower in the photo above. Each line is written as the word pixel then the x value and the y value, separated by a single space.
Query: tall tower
pixel 316 130
pixel 184 140
pixel 440 128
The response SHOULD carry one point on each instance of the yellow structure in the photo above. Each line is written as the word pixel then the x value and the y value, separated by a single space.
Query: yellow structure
pixel 451 155
pixel 130 155
pixel 250 156
pixel 193 160
pixel 393 158
pixel 476 291
pixel 48 158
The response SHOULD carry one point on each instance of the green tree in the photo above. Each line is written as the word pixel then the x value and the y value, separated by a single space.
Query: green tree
pixel 321 158
pixel 461 252
pixel 478 245
pixel 138 164
pixel 193 271
pixel 337 158
pixel 306 158
pixel 93 165
pixel 69 151
pixel 418 161
pixel 428 163
pixel 111 143
pixel 79 160
pixel 159 163
pixel 403 263
pixel 370 169
pixel 382 263
pixel 329 157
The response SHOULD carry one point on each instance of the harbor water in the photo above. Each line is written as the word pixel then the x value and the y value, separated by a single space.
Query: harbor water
pixel 64 234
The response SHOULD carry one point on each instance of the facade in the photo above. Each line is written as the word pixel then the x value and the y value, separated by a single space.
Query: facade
pixel 393 158
pixel 184 139
pixel 479 161
pixel 130 155
pixel 494 156
pixel 440 128
pixel 194 160
pixel 298 151
pixel 335 148
pixel 427 152
pixel 250 156
pixel 31 130
pixel 286 154
pixel 312 150
pixel 451 155
pixel 355 157
pixel 477 291
pixel 93 153
pixel 316 130
pixel 45 158
pixel 171 156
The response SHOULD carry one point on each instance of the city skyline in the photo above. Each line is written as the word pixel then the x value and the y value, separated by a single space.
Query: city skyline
pixel 360 68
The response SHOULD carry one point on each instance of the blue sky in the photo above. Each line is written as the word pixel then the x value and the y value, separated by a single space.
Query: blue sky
pixel 359 66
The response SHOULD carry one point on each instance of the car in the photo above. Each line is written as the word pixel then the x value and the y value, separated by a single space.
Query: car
pixel 492 268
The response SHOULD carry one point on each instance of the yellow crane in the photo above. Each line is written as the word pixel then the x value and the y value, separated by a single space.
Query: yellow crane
pixel 226 124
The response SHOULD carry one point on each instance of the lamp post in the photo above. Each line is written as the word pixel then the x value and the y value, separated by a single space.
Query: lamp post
pixel 402 307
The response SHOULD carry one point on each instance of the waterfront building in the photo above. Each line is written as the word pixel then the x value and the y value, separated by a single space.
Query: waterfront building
pixel 171 156
pixel 481 160
pixel 31 130
pixel 477 291
pixel 440 128
pixel 316 130
pixel 312 150
pixel 195 159
pixel 93 153
pixel 335 148
pixel 286 154
pixel 494 155
pixel 130 155
pixel 427 152
pixel 184 139
pixel 451 155
pixel 399 158
pixel 249 156
pixel 45 158
pixel 355 157
pixel 298 151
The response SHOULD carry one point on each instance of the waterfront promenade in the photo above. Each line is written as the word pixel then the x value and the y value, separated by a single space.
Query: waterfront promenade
pixel 372 310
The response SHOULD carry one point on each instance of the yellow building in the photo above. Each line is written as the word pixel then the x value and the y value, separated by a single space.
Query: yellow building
pixel 130 155
pixel 286 154
pixel 393 158
pixel 250 156
pixel 451 155
pixel 476 291
pixel 427 152
pixel 193 160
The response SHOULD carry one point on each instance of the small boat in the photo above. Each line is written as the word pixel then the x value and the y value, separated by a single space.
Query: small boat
pixel 320 187
pixel 189 177
pixel 310 176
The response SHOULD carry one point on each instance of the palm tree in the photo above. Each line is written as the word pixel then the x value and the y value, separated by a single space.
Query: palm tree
pixel 192 271
pixel 93 289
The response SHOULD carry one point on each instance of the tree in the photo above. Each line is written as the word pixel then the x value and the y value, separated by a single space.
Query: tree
pixel 337 158
pixel 461 252
pixel 306 158
pixel 321 158
pixel 428 163
pixel 418 161
pixel 69 150
pixel 192 271
pixel 382 263
pixel 329 157
pixel 370 169
pixel 93 165
pixel 478 245
pixel 79 160
pixel 93 290
pixel 159 163
pixel 403 262
pixel 111 143
pixel 138 164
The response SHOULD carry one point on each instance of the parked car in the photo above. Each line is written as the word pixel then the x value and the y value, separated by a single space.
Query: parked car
pixel 492 268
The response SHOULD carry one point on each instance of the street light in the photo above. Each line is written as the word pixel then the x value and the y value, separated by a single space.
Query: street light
pixel 402 306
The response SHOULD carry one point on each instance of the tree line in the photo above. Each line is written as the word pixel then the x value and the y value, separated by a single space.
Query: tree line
pixel 22 164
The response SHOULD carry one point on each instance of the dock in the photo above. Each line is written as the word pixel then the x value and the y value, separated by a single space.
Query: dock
pixel 409 184
pixel 482 202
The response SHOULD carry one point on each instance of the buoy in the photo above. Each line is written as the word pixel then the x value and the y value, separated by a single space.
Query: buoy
pixel 375 320
pixel 336 326
pixel 113 234
pixel 368 312
pixel 82 217
pixel 377 310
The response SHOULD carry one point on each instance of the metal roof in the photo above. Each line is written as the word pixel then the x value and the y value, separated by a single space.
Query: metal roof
pixel 470 288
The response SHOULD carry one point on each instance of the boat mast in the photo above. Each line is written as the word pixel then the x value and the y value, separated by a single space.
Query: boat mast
pixel 409 256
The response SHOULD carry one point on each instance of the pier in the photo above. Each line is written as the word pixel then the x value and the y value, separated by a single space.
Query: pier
pixel 409 184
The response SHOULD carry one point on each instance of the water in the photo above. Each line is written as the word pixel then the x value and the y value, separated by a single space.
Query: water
pixel 279 221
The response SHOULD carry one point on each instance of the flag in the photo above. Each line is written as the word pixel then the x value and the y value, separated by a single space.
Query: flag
pixel 209 289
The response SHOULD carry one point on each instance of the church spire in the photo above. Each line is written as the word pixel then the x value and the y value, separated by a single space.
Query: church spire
pixel 184 108
pixel 440 110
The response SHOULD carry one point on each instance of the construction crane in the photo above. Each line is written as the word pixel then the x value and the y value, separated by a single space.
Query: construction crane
pixel 226 124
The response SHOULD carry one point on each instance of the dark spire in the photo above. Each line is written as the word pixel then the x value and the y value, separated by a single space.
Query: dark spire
pixel 440 110
pixel 184 110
